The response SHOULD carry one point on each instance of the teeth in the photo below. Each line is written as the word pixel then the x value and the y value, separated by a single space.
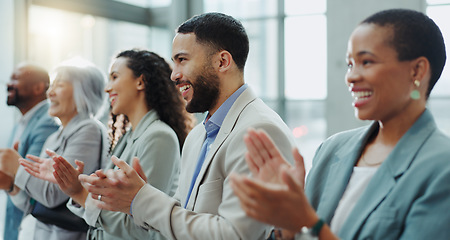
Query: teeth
pixel 184 88
pixel 361 94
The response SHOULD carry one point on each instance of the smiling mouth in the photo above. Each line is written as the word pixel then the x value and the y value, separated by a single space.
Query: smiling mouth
pixel 112 99
pixel 360 95
pixel 53 103
pixel 184 89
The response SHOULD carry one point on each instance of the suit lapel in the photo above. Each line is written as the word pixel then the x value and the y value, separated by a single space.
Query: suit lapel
pixel 386 176
pixel 373 195
pixel 340 172
pixel 227 126
pixel 130 137
pixel 338 177
pixel 11 137
pixel 23 143
pixel 118 149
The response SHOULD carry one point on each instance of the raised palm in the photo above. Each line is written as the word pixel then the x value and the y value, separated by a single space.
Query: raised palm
pixel 41 168
pixel 266 161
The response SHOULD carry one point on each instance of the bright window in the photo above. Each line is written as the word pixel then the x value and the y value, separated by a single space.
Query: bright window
pixel 296 34
pixel 306 57
pixel 439 101
pixel 56 35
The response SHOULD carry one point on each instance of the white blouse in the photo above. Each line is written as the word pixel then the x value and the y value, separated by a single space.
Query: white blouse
pixel 358 182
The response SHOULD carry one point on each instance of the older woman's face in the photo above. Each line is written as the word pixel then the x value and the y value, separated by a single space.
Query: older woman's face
pixel 62 104
pixel 379 83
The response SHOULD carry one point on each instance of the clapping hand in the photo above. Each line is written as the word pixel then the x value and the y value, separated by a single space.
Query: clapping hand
pixel 114 190
pixel 9 160
pixel 275 193
pixel 41 168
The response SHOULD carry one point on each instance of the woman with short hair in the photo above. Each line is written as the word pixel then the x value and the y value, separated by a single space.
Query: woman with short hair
pixel 389 180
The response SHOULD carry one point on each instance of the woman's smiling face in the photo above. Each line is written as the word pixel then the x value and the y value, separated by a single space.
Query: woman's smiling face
pixel 122 87
pixel 62 103
pixel 378 81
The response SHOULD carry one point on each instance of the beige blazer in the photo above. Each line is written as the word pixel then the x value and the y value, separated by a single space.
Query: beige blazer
pixel 213 211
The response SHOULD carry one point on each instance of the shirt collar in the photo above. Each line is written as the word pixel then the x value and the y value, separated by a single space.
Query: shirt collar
pixel 29 114
pixel 218 117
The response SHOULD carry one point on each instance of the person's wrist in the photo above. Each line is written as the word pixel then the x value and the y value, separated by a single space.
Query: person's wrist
pixel 317 227
pixel 130 211
pixel 312 232
pixel 281 234
pixel 80 197
pixel 15 190
pixel 11 188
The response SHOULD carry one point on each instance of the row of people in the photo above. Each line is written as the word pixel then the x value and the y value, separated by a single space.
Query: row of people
pixel 384 181
pixel 75 96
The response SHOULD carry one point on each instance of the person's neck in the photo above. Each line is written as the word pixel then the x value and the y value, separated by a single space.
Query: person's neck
pixel 137 114
pixel 226 90
pixel 24 108
pixel 66 119
pixel 391 131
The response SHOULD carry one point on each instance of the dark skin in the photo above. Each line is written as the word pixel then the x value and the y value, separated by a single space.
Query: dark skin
pixel 8 166
pixel 27 88
pixel 6 181
pixel 381 86
pixel 29 83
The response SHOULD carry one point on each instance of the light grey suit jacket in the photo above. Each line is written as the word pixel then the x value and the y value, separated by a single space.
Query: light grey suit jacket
pixel 407 198
pixel 213 211
pixel 81 140
pixel 156 145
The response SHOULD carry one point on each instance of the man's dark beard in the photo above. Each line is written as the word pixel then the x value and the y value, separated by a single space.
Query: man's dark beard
pixel 14 100
pixel 206 93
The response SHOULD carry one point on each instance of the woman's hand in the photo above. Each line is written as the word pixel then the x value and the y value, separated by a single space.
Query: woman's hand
pixel 275 193
pixel 265 159
pixel 67 176
pixel 41 168
pixel 114 190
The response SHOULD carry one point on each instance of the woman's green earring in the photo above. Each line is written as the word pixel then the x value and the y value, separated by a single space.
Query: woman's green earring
pixel 415 94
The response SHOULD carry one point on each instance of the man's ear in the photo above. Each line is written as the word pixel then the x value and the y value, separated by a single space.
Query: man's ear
pixel 225 61
pixel 39 88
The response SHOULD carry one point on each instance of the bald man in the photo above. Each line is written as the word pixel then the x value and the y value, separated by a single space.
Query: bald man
pixel 26 91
